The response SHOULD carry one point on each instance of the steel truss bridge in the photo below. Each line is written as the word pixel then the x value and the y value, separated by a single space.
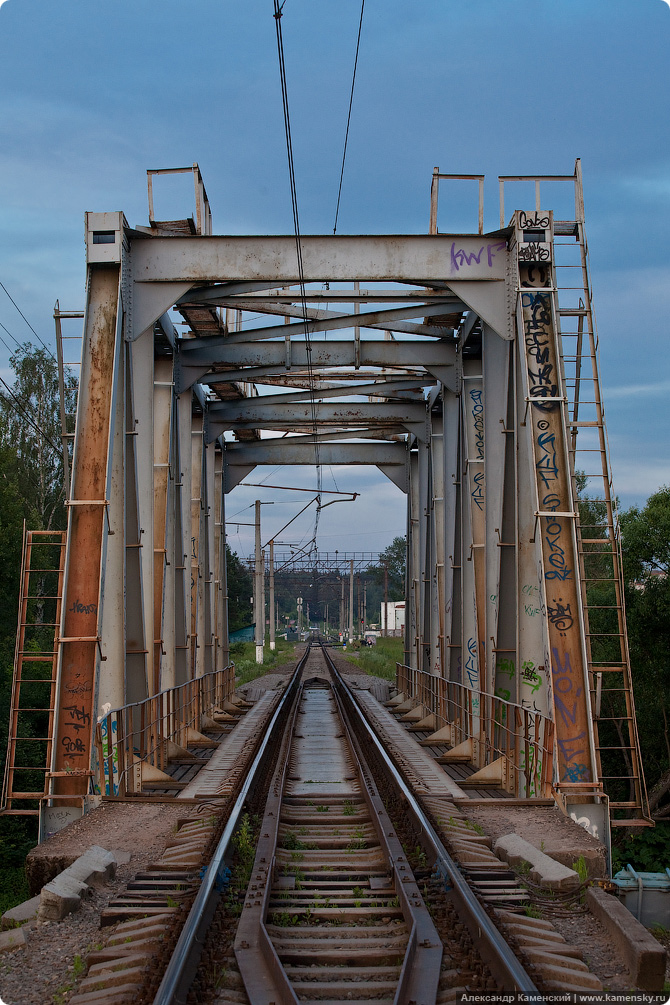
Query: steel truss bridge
pixel 463 366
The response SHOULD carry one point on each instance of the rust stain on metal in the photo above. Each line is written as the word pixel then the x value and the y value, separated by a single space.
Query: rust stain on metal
pixel 76 716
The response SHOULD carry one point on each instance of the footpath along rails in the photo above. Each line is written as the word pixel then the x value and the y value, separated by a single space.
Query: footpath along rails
pixel 349 892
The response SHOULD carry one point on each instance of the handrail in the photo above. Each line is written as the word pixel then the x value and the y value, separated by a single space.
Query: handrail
pixel 502 728
pixel 142 731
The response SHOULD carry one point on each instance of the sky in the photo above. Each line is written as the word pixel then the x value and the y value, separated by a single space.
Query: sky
pixel 92 94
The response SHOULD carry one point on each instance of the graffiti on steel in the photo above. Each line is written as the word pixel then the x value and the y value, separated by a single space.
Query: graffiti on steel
pixel 560 603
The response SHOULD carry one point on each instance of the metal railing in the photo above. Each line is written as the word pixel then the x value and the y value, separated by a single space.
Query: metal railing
pixel 146 732
pixel 498 728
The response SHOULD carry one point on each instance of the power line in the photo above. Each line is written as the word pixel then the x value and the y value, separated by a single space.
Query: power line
pixel 298 247
pixel 40 432
pixel 43 344
pixel 12 336
pixel 351 101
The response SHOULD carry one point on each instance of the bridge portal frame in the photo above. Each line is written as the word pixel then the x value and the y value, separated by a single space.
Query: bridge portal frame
pixel 492 512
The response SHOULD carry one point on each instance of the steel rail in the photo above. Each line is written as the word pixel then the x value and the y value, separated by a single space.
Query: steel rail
pixel 174 987
pixel 498 955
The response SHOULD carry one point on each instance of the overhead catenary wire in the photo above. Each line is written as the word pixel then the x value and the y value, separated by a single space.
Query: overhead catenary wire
pixel 351 102
pixel 278 8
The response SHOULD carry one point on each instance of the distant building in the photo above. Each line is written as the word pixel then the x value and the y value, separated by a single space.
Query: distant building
pixel 393 617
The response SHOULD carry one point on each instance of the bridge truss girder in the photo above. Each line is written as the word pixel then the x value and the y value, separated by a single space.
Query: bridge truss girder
pixel 484 459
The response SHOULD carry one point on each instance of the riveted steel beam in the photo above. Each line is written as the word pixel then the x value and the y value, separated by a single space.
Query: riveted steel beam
pixel 335 258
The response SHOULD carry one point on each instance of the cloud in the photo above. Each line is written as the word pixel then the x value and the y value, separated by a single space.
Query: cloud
pixel 630 390
pixel 635 480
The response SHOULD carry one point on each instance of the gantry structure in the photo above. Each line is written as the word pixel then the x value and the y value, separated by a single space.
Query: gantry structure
pixel 462 366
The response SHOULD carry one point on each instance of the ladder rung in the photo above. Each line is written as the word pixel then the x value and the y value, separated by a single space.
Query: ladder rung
pixel 80 638
pixel 37 680
pixel 19 708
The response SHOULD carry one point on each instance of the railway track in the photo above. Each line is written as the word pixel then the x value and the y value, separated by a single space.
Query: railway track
pixel 334 911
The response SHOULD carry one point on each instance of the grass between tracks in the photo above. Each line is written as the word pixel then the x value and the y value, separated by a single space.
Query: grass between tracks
pixel 243 654
pixel 378 660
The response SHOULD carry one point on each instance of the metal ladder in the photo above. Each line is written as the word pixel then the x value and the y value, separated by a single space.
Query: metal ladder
pixel 598 531
pixel 31 715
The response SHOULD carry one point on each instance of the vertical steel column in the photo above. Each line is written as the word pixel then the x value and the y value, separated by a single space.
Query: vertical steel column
pixel 196 551
pixel 351 601
pixel 136 662
pixel 413 566
pixel 112 620
pixel 221 604
pixel 182 542
pixel 258 584
pixel 169 662
pixel 162 413
pixel 272 595
pixel 142 364
pixel 555 516
pixel 437 562
pixel 473 542
pixel 87 529
pixel 452 548
pixel 209 613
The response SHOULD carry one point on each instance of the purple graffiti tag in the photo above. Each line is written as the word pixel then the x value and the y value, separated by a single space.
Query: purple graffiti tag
pixel 563 685
pixel 492 248
pixel 570 752
pixel 460 257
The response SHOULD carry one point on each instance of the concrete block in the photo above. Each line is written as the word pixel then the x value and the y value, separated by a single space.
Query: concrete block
pixel 642 954
pixel 60 897
pixel 12 940
pixel 18 915
pixel 544 870
pixel 95 867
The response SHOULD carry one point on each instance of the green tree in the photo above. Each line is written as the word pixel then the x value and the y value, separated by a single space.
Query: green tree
pixel 240 590
pixel 30 430
pixel 646 554
pixel 393 559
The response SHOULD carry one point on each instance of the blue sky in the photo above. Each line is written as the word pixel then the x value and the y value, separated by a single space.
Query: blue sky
pixel 92 94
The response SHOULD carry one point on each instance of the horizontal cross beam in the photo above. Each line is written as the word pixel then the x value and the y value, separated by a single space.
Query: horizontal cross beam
pixel 413 258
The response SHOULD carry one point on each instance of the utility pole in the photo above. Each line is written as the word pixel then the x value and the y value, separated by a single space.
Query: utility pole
pixel 365 606
pixel 263 598
pixel 351 601
pixel 272 594
pixel 259 615
pixel 342 610
pixel 386 599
